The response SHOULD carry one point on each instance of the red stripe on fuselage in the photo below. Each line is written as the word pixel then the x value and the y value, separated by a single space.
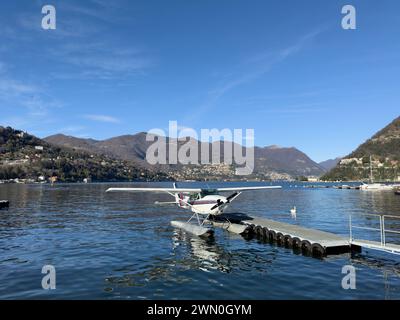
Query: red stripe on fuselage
pixel 196 202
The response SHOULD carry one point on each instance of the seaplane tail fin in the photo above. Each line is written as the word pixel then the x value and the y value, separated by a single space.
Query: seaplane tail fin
pixel 176 194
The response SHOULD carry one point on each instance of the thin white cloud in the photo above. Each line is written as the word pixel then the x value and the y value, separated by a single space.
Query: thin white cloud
pixel 296 109
pixel 83 10
pixel 99 60
pixel 31 97
pixel 13 88
pixel 24 105
pixel 82 47
pixel 250 70
pixel 115 4
pixel 101 118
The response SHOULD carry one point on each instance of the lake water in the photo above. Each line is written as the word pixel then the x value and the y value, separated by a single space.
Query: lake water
pixel 121 246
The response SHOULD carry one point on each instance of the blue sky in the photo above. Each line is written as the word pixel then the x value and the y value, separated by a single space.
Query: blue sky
pixel 285 68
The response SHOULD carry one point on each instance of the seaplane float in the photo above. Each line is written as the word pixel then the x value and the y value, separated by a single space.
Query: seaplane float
pixel 207 206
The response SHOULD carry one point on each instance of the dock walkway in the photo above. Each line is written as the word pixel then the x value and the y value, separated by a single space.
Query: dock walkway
pixel 376 245
pixel 325 239
pixel 306 239
pixel 309 240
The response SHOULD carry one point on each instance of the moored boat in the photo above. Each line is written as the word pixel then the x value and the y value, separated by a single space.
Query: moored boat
pixel 375 186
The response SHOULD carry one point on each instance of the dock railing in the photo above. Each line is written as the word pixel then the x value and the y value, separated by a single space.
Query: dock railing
pixel 383 230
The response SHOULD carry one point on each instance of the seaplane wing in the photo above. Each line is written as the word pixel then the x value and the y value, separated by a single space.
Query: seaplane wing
pixel 190 190
pixel 156 190
pixel 246 189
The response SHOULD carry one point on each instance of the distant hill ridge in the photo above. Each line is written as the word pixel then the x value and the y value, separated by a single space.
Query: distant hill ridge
pixel 330 164
pixel 384 149
pixel 24 156
pixel 271 160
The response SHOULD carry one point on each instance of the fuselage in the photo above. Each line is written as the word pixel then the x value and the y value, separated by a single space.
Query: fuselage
pixel 203 205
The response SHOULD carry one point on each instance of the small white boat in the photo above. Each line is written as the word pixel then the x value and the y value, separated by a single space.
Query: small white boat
pixel 375 186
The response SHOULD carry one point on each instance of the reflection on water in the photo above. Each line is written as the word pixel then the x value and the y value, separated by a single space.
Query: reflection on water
pixel 204 253
pixel 389 269
pixel 189 253
pixel 119 246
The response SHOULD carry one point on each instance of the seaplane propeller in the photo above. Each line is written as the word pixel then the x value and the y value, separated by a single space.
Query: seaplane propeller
pixel 228 200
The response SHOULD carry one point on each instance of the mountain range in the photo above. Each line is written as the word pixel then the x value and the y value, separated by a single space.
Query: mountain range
pixel 124 158
pixel 28 158
pixel 270 162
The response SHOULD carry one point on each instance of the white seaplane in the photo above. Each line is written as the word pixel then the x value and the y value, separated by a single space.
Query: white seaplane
pixel 204 203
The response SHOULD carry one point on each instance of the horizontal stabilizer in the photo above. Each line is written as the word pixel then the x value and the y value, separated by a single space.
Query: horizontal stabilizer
pixel 158 203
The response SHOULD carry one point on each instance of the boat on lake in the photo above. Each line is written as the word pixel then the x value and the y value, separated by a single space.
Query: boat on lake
pixel 375 186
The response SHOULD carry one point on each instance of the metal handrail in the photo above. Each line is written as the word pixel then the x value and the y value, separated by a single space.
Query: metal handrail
pixel 381 229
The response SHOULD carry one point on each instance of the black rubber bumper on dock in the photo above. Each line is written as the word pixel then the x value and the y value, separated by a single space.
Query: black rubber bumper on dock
pixel 300 239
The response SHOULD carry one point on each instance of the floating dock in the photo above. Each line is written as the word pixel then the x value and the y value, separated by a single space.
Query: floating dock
pixel 309 241
pixel 316 241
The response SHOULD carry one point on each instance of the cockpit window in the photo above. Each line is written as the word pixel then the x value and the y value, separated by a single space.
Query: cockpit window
pixel 194 196
pixel 208 192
